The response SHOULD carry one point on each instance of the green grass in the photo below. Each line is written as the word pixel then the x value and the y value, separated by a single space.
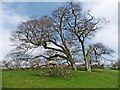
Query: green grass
pixel 81 79
pixel 0 78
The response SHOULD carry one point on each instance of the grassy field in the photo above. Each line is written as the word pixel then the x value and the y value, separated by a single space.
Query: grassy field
pixel 81 79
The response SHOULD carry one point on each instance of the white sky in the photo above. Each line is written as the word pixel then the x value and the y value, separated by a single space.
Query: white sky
pixel 108 35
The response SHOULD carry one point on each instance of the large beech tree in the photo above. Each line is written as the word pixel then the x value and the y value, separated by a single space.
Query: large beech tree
pixel 43 32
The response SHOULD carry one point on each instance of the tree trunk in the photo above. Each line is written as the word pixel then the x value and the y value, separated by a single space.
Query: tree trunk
pixel 74 67
pixel 88 66
pixel 69 55
pixel 72 62
pixel 88 59
pixel 66 49
pixel 84 55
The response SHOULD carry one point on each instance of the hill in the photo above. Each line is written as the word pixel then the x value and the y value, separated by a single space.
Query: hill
pixel 100 78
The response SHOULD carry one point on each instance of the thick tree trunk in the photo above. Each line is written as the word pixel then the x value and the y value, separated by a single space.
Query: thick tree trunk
pixel 88 59
pixel 88 66
pixel 71 60
pixel 66 49
pixel 74 67
pixel 69 56
pixel 84 55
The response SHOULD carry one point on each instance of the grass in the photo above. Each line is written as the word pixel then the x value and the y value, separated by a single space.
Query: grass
pixel 81 79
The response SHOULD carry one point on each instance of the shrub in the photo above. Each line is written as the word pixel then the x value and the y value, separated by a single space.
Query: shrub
pixel 56 70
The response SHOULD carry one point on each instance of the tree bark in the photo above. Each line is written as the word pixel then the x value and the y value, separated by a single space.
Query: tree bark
pixel 84 55
pixel 88 65
pixel 74 67
pixel 88 59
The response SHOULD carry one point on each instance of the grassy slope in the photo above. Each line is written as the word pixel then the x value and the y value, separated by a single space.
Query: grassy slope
pixel 81 79
pixel 0 79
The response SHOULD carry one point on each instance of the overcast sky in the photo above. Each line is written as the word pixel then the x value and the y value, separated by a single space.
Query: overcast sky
pixel 13 13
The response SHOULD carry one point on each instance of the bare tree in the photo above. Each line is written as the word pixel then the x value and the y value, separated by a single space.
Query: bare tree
pixel 43 32
pixel 83 27
pixel 16 57
pixel 63 35
pixel 96 52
